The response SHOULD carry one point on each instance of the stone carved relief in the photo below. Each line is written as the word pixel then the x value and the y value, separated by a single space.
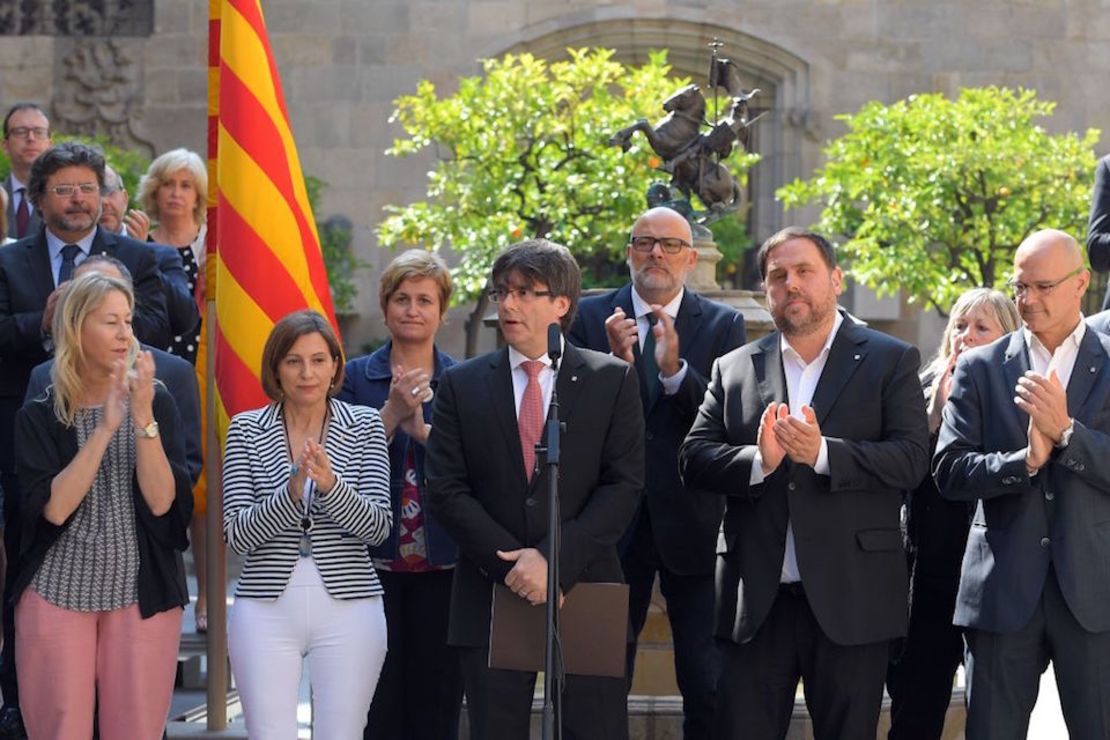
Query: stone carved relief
pixel 77 17
pixel 99 92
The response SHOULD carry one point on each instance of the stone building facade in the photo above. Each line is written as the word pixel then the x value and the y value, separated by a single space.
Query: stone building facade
pixel 136 71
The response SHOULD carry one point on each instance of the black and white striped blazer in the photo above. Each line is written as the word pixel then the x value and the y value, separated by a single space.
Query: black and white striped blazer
pixel 262 522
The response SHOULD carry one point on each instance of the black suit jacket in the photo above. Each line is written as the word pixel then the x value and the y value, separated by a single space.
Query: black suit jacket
pixel 27 279
pixel 181 305
pixel 1098 227
pixel 479 492
pixel 33 225
pixel 846 524
pixel 684 523
pixel 1021 524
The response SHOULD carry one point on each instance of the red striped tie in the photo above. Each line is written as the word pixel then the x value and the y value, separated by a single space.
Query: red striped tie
pixel 530 419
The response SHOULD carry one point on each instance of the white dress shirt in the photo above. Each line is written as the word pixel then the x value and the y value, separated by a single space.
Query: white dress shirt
pixel 642 308
pixel 801 382
pixel 54 246
pixel 1062 360
pixel 520 377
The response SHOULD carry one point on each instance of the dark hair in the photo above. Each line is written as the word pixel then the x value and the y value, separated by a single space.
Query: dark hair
pixel 25 105
pixel 282 338
pixel 66 154
pixel 542 261
pixel 107 259
pixel 824 246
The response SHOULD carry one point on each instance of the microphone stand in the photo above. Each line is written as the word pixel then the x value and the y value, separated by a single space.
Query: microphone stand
pixel 553 664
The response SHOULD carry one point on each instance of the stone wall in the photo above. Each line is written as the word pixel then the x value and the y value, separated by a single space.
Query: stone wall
pixel 343 61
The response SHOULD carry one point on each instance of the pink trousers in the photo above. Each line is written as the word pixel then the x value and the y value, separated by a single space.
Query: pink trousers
pixel 65 659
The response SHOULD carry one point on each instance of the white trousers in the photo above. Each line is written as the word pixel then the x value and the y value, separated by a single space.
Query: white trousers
pixel 344 641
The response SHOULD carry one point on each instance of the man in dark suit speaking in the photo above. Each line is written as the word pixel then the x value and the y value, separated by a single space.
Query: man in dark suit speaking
pixel 671 335
pixel 489 490
pixel 811 433
pixel 1026 435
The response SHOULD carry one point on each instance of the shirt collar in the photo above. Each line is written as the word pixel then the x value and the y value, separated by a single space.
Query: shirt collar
pixel 54 244
pixel 641 307
pixel 516 357
pixel 1075 338
pixel 18 185
pixel 787 350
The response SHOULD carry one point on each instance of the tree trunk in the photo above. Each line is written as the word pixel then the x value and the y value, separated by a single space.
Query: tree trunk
pixel 474 325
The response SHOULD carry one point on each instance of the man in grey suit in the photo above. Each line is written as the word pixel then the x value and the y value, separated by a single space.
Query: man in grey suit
pixel 1026 435
pixel 26 136
pixel 811 434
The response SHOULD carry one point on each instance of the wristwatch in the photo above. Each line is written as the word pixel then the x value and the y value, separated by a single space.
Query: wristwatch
pixel 1065 436
pixel 150 431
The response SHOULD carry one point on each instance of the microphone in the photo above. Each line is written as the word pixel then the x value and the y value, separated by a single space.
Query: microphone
pixel 554 341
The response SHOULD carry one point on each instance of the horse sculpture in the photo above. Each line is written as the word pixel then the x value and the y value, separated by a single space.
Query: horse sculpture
pixel 691 157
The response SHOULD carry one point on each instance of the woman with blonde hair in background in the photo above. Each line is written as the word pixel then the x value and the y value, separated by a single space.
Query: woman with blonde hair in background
pixel 919 680
pixel 106 506
pixel 174 195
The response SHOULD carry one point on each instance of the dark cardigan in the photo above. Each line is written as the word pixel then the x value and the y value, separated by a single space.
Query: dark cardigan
pixel 44 446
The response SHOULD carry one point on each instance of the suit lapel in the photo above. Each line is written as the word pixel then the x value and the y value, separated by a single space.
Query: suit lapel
pixel 1088 367
pixel 1015 364
pixel 767 364
pixel 38 266
pixel 847 353
pixel 499 385
pixel 570 380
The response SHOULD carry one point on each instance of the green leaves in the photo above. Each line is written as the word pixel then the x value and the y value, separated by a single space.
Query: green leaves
pixel 522 151
pixel 934 195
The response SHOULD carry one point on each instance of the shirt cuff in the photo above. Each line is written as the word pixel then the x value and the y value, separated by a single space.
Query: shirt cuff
pixel 822 466
pixel 756 476
pixel 672 384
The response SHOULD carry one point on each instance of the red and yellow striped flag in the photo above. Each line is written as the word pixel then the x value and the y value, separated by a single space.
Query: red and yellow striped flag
pixel 264 255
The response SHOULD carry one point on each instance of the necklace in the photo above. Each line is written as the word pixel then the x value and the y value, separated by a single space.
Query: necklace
pixel 305 546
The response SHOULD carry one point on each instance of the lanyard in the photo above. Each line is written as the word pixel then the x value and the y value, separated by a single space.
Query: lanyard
pixel 305 546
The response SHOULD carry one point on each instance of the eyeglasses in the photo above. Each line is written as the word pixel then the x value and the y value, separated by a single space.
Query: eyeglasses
pixel 1043 287
pixel 29 132
pixel 525 295
pixel 65 191
pixel 670 244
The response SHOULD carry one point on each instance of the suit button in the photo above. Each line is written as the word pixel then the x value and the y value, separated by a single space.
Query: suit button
pixel 1045 542
pixel 529 502
pixel 1049 496
pixel 649 435
pixel 1010 480
pixel 791 485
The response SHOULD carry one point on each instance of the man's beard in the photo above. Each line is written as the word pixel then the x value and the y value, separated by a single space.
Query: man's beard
pixel 803 325
pixel 72 222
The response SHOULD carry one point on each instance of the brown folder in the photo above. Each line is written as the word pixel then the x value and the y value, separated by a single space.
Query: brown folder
pixel 593 627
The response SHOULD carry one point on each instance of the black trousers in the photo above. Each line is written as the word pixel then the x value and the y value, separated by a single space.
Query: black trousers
pixel 843 683
pixel 499 703
pixel 690 602
pixel 1004 669
pixel 919 680
pixel 420 689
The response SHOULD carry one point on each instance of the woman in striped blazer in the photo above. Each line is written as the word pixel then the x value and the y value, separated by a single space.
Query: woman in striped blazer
pixel 306 489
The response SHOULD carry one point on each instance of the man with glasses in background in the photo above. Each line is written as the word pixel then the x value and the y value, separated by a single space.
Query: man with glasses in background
pixel 671 335
pixel 1026 436
pixel 26 136
pixel 65 186
pixel 488 487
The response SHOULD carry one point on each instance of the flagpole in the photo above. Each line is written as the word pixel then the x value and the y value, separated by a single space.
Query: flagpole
pixel 215 549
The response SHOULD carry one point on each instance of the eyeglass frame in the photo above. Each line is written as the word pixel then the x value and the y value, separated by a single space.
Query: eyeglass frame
pixel 85 188
pixel 1020 289
pixel 26 132
pixel 658 240
pixel 525 294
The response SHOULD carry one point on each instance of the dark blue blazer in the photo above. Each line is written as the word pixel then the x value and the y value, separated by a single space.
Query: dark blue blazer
pixel 1098 224
pixel 683 522
pixel 180 379
pixel 366 383
pixel 181 305
pixel 1021 524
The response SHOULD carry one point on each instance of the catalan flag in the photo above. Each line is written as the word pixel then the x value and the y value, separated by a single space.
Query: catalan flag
pixel 264 255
